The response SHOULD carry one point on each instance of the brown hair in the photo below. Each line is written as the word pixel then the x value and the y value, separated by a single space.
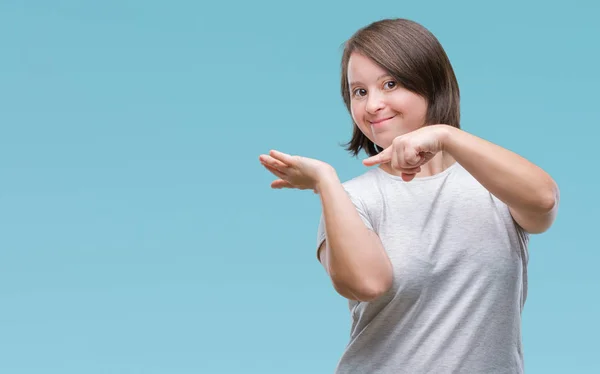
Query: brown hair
pixel 414 57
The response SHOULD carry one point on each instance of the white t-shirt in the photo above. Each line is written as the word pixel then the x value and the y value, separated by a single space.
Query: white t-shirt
pixel 460 278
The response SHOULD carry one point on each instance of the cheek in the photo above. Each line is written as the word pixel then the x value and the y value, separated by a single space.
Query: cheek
pixel 412 107
pixel 420 107
pixel 357 109
pixel 354 111
pixel 357 112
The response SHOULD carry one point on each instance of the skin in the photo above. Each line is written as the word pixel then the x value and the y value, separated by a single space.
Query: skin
pixel 353 255
pixel 376 96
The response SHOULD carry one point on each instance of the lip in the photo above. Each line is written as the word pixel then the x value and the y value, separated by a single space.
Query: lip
pixel 380 121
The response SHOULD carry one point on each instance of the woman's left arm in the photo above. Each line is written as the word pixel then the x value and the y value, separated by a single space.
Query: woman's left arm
pixel 530 193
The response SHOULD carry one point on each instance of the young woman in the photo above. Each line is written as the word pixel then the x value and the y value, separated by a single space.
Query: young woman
pixel 429 246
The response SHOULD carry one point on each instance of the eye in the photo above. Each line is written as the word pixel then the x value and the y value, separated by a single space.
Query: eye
pixel 390 84
pixel 359 92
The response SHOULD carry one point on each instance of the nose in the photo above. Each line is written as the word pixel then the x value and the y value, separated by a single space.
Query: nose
pixel 374 102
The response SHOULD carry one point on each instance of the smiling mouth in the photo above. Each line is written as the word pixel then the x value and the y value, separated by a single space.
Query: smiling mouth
pixel 375 123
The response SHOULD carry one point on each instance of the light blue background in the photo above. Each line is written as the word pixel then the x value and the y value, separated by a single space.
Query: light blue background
pixel 138 232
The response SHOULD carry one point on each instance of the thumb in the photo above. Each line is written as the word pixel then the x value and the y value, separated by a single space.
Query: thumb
pixel 280 183
pixel 381 158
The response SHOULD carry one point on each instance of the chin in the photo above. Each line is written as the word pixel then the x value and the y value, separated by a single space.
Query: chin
pixel 384 139
pixel 383 143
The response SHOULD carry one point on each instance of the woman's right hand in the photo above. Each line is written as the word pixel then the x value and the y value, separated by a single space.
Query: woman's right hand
pixel 296 171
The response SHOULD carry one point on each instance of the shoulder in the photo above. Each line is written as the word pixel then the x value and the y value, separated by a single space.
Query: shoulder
pixel 361 182
pixel 362 186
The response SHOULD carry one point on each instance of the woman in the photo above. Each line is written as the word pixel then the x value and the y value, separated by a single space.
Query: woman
pixel 430 246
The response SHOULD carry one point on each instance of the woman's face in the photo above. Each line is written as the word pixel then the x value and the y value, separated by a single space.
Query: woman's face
pixel 380 107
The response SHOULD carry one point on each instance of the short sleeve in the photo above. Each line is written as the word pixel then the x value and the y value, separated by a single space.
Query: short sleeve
pixel 362 212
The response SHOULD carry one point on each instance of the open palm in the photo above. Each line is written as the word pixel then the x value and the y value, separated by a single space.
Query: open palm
pixel 295 171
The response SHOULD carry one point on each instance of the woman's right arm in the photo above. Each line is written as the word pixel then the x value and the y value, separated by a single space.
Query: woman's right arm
pixel 352 254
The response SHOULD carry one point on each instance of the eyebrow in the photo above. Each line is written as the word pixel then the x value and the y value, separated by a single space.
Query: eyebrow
pixel 378 78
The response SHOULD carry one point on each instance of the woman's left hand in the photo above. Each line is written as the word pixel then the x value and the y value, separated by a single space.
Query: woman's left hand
pixel 410 151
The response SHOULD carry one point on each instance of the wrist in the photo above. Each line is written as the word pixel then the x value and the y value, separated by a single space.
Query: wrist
pixel 446 134
pixel 327 177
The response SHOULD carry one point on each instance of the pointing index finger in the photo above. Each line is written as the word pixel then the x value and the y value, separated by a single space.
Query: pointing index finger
pixel 381 158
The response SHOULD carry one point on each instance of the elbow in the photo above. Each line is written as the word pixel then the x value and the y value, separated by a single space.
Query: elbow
pixel 374 292
pixel 548 203
pixel 549 199
pixel 364 289
pixel 539 217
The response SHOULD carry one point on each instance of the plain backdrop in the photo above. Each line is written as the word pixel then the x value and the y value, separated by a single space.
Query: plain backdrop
pixel 138 231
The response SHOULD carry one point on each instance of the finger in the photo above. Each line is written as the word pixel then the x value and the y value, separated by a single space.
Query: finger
pixel 408 177
pixel 280 183
pixel 381 158
pixel 405 156
pixel 416 170
pixel 283 157
pixel 399 163
pixel 426 157
pixel 276 172
pixel 407 170
pixel 421 158
pixel 272 161
pixel 268 160
pixel 411 157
